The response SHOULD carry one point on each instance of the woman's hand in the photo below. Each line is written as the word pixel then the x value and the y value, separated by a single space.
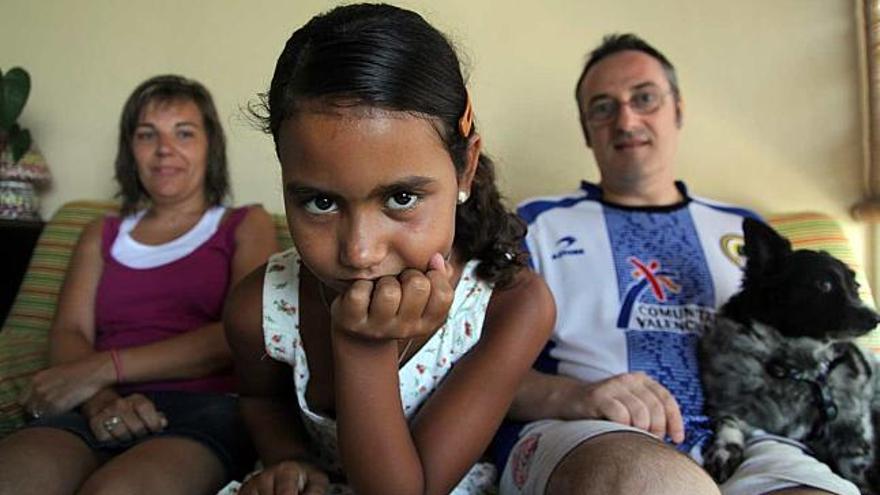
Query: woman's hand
pixel 61 388
pixel 287 478
pixel 412 304
pixel 125 418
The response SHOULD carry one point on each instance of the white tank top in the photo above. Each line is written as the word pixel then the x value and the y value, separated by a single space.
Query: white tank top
pixel 137 255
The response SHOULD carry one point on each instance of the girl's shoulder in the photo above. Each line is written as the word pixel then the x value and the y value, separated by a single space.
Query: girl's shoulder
pixel 525 305
pixel 243 308
pixel 281 306
pixel 245 304
pixel 282 268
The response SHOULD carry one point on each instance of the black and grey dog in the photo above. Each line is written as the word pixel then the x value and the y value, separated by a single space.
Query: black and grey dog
pixel 781 358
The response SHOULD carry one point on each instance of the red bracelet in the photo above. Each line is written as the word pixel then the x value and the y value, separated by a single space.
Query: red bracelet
pixel 117 365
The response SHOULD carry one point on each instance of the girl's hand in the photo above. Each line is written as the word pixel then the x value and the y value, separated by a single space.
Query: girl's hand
pixel 287 478
pixel 127 417
pixel 61 388
pixel 412 304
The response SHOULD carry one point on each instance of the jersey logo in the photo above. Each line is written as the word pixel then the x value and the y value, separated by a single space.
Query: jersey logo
pixel 732 246
pixel 563 247
pixel 655 278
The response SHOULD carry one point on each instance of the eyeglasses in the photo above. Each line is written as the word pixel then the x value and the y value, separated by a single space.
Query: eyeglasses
pixel 643 102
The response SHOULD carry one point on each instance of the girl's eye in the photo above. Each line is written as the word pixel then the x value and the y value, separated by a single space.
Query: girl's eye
pixel 185 134
pixel 402 200
pixel 320 205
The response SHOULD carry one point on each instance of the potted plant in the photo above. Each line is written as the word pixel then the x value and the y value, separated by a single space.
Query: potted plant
pixel 22 167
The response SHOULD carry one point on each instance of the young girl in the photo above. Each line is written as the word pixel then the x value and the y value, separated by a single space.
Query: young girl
pixel 405 311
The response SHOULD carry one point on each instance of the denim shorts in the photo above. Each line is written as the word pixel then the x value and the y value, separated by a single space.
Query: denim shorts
pixel 209 418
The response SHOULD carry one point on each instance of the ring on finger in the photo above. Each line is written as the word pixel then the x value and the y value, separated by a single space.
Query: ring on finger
pixel 111 423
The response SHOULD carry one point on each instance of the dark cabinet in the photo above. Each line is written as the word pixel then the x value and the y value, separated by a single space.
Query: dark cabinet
pixel 17 241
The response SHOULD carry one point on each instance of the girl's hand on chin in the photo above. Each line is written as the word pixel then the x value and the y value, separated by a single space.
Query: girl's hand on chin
pixel 412 304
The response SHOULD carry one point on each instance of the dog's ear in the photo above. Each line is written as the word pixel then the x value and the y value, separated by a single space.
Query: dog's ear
pixel 762 244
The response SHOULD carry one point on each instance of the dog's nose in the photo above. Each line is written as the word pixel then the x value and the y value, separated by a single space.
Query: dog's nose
pixel 872 318
pixel 868 319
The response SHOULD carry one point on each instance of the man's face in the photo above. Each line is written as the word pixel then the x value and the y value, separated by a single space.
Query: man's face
pixel 630 146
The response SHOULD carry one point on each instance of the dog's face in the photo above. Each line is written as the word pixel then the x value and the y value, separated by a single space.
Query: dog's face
pixel 801 293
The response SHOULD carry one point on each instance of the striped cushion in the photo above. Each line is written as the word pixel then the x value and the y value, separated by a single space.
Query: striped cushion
pixel 820 232
pixel 23 347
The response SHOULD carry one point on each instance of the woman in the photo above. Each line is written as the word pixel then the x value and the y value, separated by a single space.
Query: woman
pixel 138 391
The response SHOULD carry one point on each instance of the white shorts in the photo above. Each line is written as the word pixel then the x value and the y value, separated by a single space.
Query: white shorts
pixel 771 463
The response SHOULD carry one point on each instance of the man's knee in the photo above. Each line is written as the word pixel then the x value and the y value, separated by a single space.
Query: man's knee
pixel 629 463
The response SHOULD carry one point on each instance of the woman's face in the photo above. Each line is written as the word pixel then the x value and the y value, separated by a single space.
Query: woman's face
pixel 368 193
pixel 170 147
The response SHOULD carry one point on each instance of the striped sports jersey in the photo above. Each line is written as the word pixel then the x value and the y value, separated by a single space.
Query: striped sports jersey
pixel 635 287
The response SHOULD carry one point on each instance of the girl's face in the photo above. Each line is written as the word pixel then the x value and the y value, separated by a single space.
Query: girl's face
pixel 368 193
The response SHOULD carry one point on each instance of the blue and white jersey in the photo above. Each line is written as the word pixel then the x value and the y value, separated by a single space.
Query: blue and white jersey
pixel 635 287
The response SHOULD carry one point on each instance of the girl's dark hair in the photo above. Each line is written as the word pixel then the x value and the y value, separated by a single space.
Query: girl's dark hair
pixel 161 89
pixel 381 56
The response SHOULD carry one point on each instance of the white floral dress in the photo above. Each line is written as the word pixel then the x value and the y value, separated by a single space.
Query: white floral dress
pixel 418 377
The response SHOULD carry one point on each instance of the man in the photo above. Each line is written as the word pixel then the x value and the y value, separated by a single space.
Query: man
pixel 637 267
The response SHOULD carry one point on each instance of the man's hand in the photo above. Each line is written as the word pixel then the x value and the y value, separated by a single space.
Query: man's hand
pixel 632 399
pixel 287 478
pixel 412 304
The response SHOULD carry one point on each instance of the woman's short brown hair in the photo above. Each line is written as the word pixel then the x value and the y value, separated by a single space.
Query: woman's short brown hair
pixel 164 89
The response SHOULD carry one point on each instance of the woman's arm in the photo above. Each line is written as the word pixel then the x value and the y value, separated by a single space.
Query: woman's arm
pixel 454 427
pixel 77 372
pixel 268 402
pixel 72 335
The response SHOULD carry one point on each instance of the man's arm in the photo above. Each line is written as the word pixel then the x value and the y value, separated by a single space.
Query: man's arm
pixel 632 399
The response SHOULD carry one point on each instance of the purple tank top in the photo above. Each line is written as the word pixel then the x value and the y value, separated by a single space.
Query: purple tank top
pixel 134 307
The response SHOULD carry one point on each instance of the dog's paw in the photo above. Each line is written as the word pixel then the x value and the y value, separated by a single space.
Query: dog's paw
pixel 722 459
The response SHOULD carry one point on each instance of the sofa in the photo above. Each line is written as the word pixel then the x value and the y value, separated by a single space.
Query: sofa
pixel 23 338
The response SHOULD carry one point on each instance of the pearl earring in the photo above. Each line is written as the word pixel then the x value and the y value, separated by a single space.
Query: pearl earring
pixel 462 197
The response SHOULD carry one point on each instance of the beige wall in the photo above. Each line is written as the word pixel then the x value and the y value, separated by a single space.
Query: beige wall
pixel 772 88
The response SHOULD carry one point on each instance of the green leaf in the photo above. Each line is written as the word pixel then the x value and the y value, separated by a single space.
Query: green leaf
pixel 15 86
pixel 19 142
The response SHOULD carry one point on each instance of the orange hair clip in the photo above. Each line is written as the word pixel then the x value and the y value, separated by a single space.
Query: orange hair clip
pixel 466 122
